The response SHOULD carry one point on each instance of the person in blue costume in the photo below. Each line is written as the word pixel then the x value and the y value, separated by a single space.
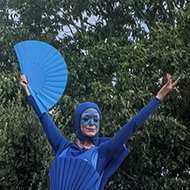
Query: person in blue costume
pixel 87 163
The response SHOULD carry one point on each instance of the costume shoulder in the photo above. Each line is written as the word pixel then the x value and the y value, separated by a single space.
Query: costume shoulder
pixel 115 162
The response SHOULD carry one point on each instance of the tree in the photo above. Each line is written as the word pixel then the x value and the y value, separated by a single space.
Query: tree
pixel 113 62
pixel 24 148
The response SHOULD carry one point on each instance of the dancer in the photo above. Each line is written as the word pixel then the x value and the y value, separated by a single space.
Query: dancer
pixel 88 162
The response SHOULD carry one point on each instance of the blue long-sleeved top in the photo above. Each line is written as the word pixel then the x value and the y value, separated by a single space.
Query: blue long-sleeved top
pixel 104 158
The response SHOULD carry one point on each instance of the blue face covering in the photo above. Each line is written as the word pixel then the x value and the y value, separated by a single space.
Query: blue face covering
pixel 78 113
pixel 90 117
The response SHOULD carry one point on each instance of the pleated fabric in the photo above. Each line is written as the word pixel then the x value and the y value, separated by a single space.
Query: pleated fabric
pixel 71 173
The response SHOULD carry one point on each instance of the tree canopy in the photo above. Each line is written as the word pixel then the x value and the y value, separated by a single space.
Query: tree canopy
pixel 117 55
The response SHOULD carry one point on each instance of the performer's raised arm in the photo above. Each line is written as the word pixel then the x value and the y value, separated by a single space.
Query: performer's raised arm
pixel 54 137
pixel 128 129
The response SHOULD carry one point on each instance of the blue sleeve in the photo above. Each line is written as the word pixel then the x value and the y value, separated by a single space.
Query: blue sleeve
pixel 129 128
pixel 113 151
pixel 55 139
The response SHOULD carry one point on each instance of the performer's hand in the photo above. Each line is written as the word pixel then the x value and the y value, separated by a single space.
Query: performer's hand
pixel 169 86
pixel 23 83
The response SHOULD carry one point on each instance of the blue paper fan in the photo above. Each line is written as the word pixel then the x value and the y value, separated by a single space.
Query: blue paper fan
pixel 69 173
pixel 46 72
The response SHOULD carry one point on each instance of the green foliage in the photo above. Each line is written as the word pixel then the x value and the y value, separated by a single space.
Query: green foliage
pixel 23 145
pixel 113 61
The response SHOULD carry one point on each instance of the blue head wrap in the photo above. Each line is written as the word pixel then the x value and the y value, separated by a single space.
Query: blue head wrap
pixel 80 109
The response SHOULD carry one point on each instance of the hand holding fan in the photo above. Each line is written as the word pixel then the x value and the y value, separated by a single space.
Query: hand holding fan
pixel 46 72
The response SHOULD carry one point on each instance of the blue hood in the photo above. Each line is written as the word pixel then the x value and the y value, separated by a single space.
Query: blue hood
pixel 80 109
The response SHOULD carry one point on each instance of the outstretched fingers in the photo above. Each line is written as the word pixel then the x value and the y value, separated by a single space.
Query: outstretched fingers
pixel 176 81
pixel 169 81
